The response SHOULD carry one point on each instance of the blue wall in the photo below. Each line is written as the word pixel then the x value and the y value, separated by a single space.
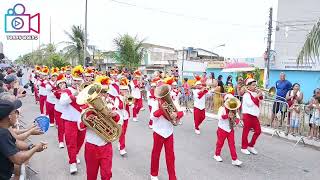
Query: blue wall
pixel 308 80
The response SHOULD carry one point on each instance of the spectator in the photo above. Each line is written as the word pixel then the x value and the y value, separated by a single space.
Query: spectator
pixel 1 75
pixel 239 89
pixel 12 151
pixel 19 75
pixel 220 80
pixel 315 119
pixel 229 80
pixel 294 117
pixel 211 83
pixel 186 94
pixel 282 86
pixel 204 78
pixel 295 93
pixel 20 134
pixel 13 86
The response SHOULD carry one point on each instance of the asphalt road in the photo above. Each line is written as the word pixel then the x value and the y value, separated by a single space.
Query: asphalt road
pixel 277 158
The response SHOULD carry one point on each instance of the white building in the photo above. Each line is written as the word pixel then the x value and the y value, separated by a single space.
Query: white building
pixel 295 19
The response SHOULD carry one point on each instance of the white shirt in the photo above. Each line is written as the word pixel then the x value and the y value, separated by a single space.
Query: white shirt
pixel 161 125
pixel 51 98
pixel 93 138
pixel 135 91
pixel 224 123
pixel 42 90
pixel 124 114
pixel 112 90
pixel 248 106
pixel 69 113
pixel 151 101
pixel 199 103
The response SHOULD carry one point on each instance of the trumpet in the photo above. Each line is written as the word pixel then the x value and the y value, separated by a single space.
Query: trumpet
pixel 129 99
pixel 270 92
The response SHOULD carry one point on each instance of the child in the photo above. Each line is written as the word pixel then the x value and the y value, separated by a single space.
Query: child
pixel 295 116
pixel 228 117
pixel 315 119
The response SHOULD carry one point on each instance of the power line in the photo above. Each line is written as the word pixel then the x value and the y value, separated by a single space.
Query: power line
pixel 184 15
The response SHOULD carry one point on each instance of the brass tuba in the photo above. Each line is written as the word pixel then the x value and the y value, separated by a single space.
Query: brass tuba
pixel 98 117
pixel 84 85
pixel 166 104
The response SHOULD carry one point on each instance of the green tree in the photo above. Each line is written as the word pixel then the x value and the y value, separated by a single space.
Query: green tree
pixel 311 47
pixel 75 46
pixel 129 51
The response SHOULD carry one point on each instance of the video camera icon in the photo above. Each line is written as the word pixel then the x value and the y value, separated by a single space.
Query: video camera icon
pixel 16 21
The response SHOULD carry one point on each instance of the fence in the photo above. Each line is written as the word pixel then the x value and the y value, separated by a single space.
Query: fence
pixel 273 113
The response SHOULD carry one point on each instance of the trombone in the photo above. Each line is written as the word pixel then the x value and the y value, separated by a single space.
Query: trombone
pixel 271 92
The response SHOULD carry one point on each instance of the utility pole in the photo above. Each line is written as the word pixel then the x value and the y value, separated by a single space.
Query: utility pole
pixel 182 64
pixel 269 46
pixel 85 35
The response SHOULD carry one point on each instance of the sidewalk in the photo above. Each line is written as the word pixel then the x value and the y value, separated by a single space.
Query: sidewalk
pixel 274 132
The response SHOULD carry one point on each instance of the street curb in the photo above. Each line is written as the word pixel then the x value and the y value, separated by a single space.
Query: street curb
pixel 270 131
pixel 279 133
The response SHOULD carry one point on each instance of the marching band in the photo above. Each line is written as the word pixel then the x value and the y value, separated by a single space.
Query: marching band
pixel 82 103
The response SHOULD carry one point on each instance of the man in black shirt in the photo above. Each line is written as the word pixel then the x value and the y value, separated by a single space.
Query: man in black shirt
pixel 12 151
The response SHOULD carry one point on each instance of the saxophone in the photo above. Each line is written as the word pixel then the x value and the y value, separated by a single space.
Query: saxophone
pixel 98 117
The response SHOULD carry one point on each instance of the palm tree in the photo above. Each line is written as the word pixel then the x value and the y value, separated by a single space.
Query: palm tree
pixel 75 47
pixel 129 51
pixel 311 47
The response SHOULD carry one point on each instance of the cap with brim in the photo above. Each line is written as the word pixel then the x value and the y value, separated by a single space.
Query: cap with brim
pixel 153 84
pixel 61 81
pixel 174 83
pixel 232 103
pixel 250 80
pixel 198 83
pixel 6 107
pixel 77 78
pixel 10 78
pixel 123 87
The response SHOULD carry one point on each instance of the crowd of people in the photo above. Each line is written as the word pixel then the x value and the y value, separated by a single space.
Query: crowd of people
pixel 15 150
pixel 62 95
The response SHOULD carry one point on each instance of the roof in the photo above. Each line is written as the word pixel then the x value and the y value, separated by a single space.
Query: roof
pixel 209 52
pixel 157 46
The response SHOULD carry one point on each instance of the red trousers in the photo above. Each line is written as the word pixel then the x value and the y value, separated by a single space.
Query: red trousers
pixel 50 111
pixel 150 121
pixel 122 138
pixel 60 124
pixel 42 103
pixel 222 135
pixel 158 142
pixel 98 156
pixel 136 107
pixel 36 93
pixel 74 139
pixel 249 122
pixel 198 117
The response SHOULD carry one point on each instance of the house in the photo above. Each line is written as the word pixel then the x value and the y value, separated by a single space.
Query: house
pixel 158 58
pixel 198 54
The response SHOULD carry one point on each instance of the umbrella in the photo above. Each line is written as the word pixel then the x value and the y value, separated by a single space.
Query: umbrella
pixel 237 67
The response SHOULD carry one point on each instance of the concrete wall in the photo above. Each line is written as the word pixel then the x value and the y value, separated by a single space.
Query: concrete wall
pixel 308 80
pixel 295 19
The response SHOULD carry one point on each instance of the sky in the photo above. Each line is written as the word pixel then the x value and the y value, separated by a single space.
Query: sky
pixel 239 24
